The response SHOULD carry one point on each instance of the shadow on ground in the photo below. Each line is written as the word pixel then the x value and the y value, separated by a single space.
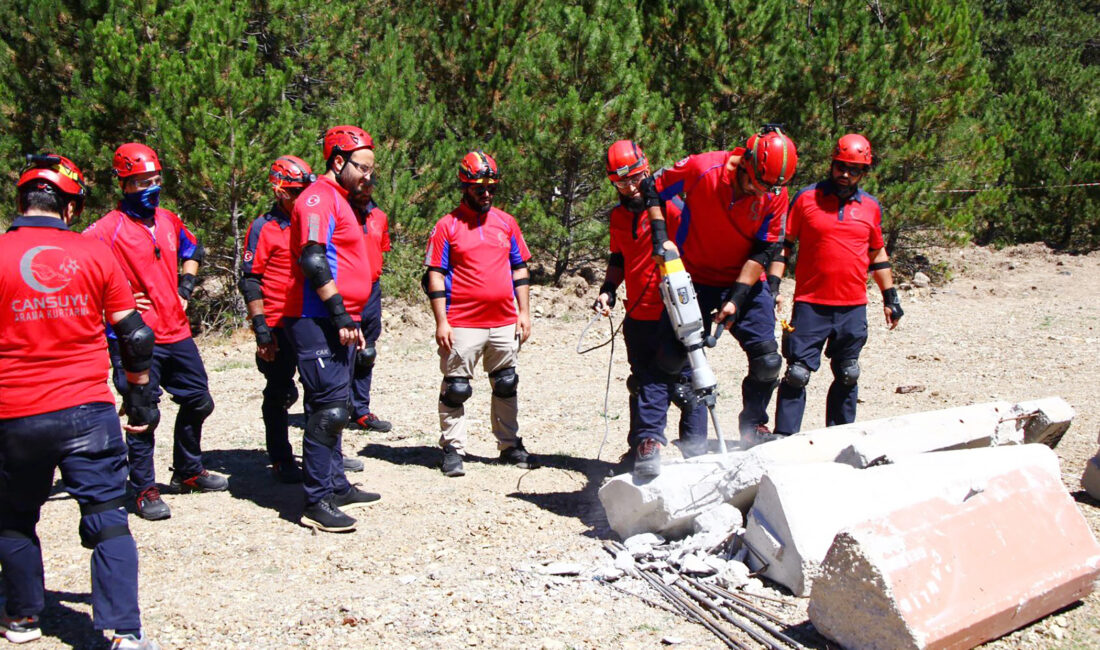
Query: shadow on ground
pixel 582 503
pixel 250 478
pixel 70 626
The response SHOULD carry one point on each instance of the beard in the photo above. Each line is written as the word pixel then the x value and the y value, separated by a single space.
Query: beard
pixel 633 203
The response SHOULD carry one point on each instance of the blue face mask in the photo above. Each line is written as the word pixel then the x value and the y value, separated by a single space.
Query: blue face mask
pixel 143 203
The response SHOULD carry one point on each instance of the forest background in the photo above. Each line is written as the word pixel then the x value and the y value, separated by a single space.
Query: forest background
pixel 983 113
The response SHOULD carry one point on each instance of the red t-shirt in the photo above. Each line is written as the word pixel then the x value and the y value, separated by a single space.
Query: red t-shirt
pixel 631 237
pixel 716 233
pixel 322 215
pixel 376 227
pixel 267 254
pixel 834 247
pixel 477 253
pixel 150 257
pixel 55 286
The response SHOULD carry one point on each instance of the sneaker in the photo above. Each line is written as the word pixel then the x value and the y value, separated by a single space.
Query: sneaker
pixel 202 482
pixel 287 471
pixel 150 506
pixel 647 459
pixel 353 465
pixel 370 422
pixel 20 629
pixel 519 457
pixel 452 462
pixel 132 642
pixel 758 435
pixel 325 515
pixel 693 448
pixel 354 498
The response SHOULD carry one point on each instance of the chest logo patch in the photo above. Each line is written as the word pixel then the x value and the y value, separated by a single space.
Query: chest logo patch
pixel 313 200
pixel 47 271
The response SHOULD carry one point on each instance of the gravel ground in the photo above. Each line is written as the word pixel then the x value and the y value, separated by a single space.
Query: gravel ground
pixel 443 562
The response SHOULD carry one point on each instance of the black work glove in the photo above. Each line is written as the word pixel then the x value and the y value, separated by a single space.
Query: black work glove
pixel 262 331
pixel 609 289
pixel 650 196
pixel 186 286
pixel 141 407
pixel 339 314
pixel 891 301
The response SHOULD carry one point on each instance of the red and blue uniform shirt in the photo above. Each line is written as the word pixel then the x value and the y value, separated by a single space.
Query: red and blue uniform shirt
pixel 376 228
pixel 835 238
pixel 631 237
pixel 322 215
pixel 150 256
pixel 476 253
pixel 717 232
pixel 55 288
pixel 267 254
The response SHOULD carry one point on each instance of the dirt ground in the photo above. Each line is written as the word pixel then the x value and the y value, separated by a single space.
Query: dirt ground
pixel 452 562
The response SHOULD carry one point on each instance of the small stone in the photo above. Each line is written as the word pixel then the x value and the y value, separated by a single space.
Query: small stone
pixel 921 280
pixel 671 640
pixel 624 561
pixel 552 644
pixel 610 574
pixel 561 569
pixel 643 543
pixel 905 390
pixel 697 565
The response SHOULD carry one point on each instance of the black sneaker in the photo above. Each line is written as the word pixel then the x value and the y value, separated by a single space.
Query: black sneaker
pixel 201 482
pixel 324 515
pixel 519 457
pixel 150 506
pixel 370 422
pixel 20 629
pixel 287 471
pixel 354 498
pixel 647 459
pixel 452 462
pixel 353 465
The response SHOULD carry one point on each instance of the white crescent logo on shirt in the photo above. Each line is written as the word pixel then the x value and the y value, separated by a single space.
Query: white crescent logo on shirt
pixel 682 162
pixel 248 256
pixel 51 275
pixel 313 200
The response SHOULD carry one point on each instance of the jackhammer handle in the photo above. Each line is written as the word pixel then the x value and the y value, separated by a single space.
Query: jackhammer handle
pixel 712 341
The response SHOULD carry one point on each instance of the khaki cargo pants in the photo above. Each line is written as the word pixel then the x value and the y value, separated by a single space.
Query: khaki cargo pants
pixel 497 347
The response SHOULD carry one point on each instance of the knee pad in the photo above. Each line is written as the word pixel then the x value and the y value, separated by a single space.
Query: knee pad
pixel 683 396
pixel 505 382
pixel 764 362
pixel 201 408
pixel 632 385
pixel 456 390
pixel 15 525
pixel 364 360
pixel 326 423
pixel 291 395
pixel 108 520
pixel 798 375
pixel 846 371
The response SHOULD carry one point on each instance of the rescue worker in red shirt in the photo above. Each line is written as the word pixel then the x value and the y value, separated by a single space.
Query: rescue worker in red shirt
pixel 160 257
pixel 477 275
pixel 265 276
pixel 330 284
pixel 376 230
pixel 735 208
pixel 655 355
pixel 57 289
pixel 838 228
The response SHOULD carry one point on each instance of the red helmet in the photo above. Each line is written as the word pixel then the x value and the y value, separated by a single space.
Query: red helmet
pixel 345 139
pixel 853 148
pixel 478 167
pixel 770 158
pixel 135 158
pixel 290 171
pixel 52 172
pixel 625 158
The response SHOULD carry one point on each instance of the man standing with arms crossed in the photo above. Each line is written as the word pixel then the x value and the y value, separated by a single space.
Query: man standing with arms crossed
pixel 735 207
pixel 329 287
pixel 839 230
pixel 160 257
pixel 477 275
pixel 57 288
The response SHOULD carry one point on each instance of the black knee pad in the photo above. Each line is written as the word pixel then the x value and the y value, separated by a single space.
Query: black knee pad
pixel 846 371
pixel 200 409
pixel 764 361
pixel 364 360
pixel 632 385
pixel 326 423
pixel 683 396
pixel 291 395
pixel 505 382
pixel 797 376
pixel 110 517
pixel 456 390
pixel 19 525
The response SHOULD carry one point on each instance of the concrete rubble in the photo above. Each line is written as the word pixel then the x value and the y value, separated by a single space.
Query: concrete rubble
pixel 955 572
pixel 1090 480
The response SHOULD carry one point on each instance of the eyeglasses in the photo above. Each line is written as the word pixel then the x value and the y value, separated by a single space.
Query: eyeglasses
pixel 851 170
pixel 628 183
pixel 364 169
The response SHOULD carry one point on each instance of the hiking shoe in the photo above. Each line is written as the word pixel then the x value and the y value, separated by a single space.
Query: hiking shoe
pixel 452 462
pixel 354 498
pixel 370 422
pixel 692 448
pixel 326 516
pixel 20 629
pixel 353 465
pixel 758 435
pixel 287 471
pixel 132 642
pixel 201 482
pixel 519 457
pixel 150 506
pixel 647 459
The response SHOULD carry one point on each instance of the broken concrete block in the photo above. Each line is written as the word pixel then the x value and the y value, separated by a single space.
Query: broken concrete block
pixel 1045 421
pixel 799 509
pixel 1091 479
pixel 667 504
pixel 955 573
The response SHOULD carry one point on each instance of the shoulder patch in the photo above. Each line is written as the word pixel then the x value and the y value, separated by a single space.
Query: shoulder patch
pixel 313 200
pixel 248 256
pixel 683 162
